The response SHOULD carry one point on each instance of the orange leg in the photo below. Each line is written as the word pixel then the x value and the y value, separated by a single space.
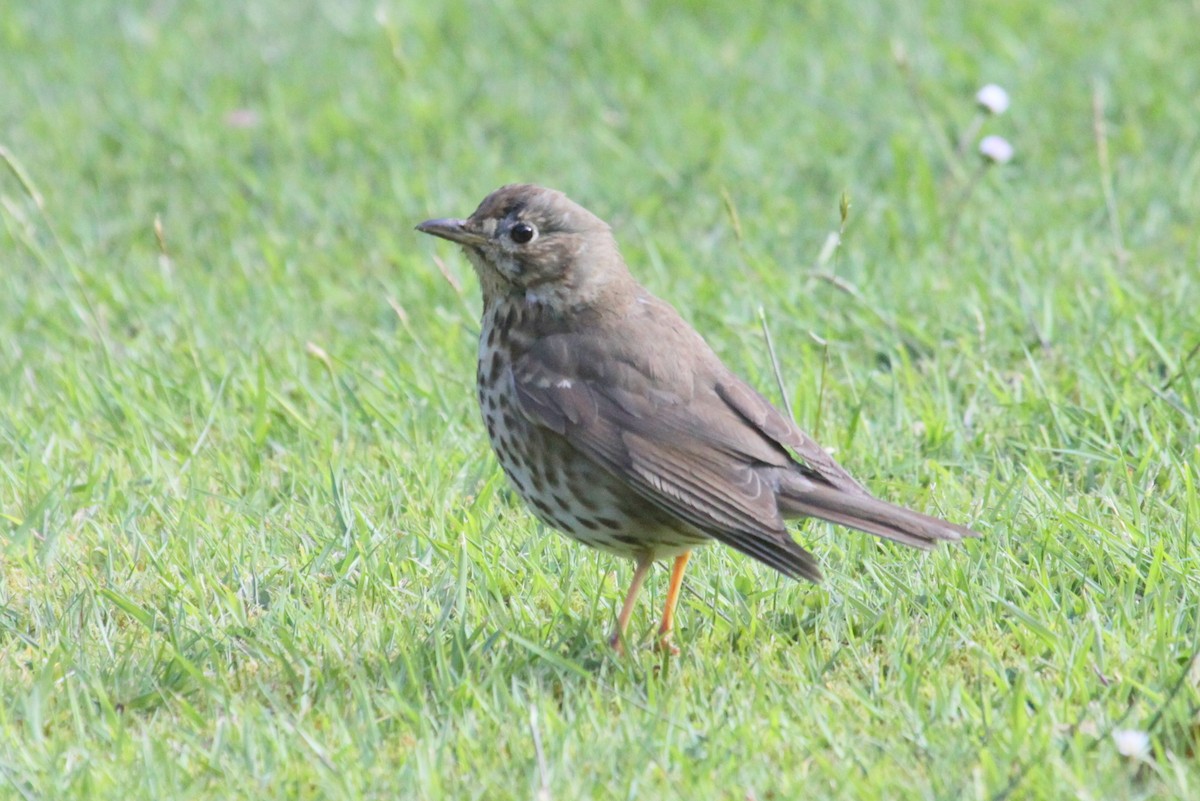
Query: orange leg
pixel 639 576
pixel 668 618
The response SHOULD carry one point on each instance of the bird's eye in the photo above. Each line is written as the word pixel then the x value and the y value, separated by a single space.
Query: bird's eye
pixel 521 233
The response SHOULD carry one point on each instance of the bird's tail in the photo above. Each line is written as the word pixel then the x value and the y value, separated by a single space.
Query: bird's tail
pixel 865 513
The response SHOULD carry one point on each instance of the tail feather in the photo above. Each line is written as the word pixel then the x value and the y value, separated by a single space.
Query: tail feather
pixel 865 513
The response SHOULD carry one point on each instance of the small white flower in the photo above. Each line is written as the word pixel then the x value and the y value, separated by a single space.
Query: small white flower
pixel 1132 743
pixel 992 99
pixel 996 149
pixel 242 118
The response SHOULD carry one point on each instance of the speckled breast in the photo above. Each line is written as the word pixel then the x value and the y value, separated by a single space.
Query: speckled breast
pixel 564 488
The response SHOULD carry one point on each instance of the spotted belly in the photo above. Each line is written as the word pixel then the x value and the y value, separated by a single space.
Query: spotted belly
pixel 566 490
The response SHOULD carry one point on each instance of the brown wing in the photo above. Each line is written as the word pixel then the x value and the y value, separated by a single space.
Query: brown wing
pixel 669 431
pixel 776 427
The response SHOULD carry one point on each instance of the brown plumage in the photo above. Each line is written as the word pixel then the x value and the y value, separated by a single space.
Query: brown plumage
pixel 616 422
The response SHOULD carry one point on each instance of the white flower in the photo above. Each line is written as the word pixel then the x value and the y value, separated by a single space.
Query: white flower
pixel 242 118
pixel 992 99
pixel 996 149
pixel 1132 743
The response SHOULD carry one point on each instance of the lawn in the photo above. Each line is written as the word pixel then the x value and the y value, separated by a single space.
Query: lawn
pixel 253 543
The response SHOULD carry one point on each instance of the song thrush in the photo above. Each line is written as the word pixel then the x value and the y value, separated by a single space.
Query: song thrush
pixel 616 422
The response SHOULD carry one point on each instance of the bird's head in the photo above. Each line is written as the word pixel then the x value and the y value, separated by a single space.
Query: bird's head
pixel 528 240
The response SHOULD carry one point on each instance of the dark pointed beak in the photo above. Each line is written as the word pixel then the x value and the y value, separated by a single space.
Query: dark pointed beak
pixel 454 230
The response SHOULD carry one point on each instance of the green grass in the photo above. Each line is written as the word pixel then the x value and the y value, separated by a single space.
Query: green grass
pixel 252 541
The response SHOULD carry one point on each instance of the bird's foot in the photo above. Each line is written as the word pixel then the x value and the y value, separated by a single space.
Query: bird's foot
pixel 664 645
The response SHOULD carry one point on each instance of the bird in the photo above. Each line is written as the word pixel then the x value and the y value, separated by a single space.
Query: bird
pixel 619 426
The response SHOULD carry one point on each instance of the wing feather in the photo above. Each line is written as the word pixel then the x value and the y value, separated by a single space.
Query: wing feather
pixel 664 451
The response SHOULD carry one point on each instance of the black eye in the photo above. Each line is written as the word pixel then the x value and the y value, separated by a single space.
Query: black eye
pixel 521 233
